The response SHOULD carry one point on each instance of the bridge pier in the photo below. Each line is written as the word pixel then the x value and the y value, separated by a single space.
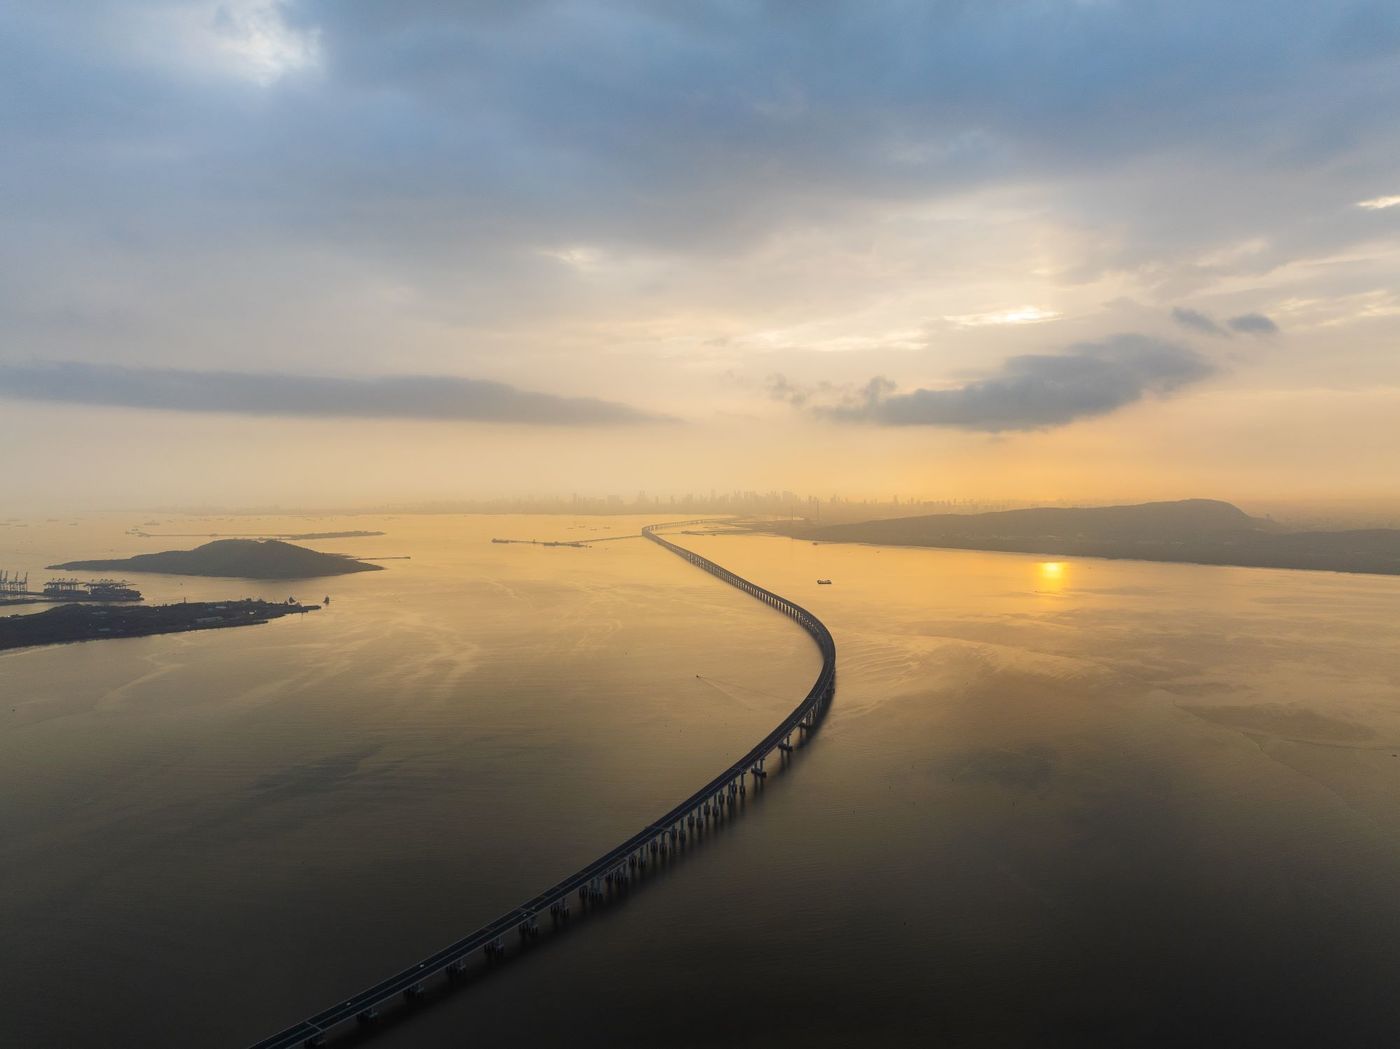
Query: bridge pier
pixel 724 797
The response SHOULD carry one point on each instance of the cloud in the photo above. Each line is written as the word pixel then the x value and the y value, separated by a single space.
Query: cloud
pixel 780 388
pixel 1021 315
pixel 1036 391
pixel 599 187
pixel 426 121
pixel 1197 321
pixel 1244 323
pixel 1253 324
pixel 1379 203
pixel 310 396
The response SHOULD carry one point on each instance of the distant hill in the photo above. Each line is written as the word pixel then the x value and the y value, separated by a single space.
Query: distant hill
pixel 1188 517
pixel 1203 531
pixel 233 558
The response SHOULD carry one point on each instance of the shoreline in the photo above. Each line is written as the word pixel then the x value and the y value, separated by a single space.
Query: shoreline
pixel 75 622
pixel 1052 550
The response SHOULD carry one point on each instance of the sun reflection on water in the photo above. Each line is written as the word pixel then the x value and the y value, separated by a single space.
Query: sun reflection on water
pixel 1050 576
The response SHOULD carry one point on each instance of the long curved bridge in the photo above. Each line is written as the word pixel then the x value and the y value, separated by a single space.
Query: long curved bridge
pixel 712 802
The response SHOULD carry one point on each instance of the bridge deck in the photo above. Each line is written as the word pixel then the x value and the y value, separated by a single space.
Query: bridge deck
pixel 312 1029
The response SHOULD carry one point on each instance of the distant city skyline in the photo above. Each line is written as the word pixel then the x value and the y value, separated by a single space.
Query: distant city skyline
pixel 1296 513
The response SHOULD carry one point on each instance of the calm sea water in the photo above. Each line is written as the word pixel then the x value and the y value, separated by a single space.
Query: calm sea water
pixel 1055 803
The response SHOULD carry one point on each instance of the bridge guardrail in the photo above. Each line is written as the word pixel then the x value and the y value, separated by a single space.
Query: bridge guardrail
pixel 407 982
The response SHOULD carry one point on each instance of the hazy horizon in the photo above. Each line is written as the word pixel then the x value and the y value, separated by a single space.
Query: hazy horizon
pixel 1295 513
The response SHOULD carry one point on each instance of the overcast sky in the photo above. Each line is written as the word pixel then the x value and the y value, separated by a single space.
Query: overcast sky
pixel 328 251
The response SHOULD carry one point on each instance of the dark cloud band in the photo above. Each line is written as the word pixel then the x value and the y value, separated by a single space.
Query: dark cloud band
pixel 314 396
pixel 1197 321
pixel 1253 324
pixel 1244 324
pixel 1037 391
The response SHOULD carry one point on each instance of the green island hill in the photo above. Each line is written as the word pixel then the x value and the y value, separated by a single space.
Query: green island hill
pixel 234 559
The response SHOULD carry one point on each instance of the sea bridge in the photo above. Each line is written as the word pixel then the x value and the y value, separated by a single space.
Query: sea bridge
pixel 612 872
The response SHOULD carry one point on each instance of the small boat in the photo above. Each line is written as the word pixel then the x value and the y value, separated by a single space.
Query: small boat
pixel 823 582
